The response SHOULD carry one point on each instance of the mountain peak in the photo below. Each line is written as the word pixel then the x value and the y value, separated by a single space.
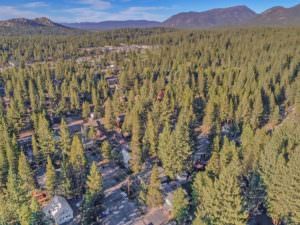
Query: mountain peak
pixel 44 21
pixel 212 18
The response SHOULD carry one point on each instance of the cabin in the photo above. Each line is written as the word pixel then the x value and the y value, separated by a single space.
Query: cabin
pixel 112 82
pixel 59 210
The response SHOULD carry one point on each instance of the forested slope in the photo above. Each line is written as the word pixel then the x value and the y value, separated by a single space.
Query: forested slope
pixel 246 79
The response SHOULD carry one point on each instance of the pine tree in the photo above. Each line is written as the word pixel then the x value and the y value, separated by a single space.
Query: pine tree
pixel 220 200
pixel 151 136
pixel 65 140
pixel 135 145
pixel 257 112
pixel 11 155
pixel 25 174
pixel 85 110
pixel 210 116
pixel 182 146
pixel 165 150
pixel 25 215
pixel 15 196
pixel 45 137
pixel 77 157
pixel 94 181
pixel 180 205
pixel 109 115
pixel 50 177
pixel 106 150
pixel 32 96
pixel 65 181
pixel 154 195
pixel 78 163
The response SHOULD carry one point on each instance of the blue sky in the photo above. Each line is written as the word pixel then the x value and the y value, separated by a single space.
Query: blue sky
pixel 100 10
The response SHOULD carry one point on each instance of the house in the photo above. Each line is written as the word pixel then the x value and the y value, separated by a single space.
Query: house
pixel 59 210
pixel 112 82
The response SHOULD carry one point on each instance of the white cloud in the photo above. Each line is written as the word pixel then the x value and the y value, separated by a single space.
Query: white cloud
pixel 8 12
pixel 33 5
pixel 97 4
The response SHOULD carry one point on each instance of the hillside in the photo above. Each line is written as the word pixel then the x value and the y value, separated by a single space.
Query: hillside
pixel 278 16
pixel 212 18
pixel 35 26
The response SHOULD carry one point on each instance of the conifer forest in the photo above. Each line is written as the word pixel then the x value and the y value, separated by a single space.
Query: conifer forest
pixel 201 127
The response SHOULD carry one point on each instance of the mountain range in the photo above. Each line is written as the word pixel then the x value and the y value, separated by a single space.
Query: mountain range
pixel 108 25
pixel 40 25
pixel 221 17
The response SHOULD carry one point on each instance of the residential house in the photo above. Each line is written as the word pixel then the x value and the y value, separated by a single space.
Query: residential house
pixel 59 210
pixel 112 82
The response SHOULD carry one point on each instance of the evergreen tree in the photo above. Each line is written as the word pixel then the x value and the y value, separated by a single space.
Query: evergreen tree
pixel 25 174
pixel 109 115
pixel 165 149
pixel 257 112
pixel 182 146
pixel 66 181
pixel 77 157
pixel 220 201
pixel 151 136
pixel 135 145
pixel 50 177
pixel 106 150
pixel 85 110
pixel 65 138
pixel 180 205
pixel 154 195
pixel 45 137
pixel 94 181
pixel 78 163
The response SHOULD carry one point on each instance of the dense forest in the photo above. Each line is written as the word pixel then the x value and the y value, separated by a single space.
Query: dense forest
pixel 238 87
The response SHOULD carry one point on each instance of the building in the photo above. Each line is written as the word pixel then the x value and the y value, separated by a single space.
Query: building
pixel 59 210
pixel 112 82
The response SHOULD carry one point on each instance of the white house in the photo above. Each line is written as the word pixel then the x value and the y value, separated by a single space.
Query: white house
pixel 59 209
